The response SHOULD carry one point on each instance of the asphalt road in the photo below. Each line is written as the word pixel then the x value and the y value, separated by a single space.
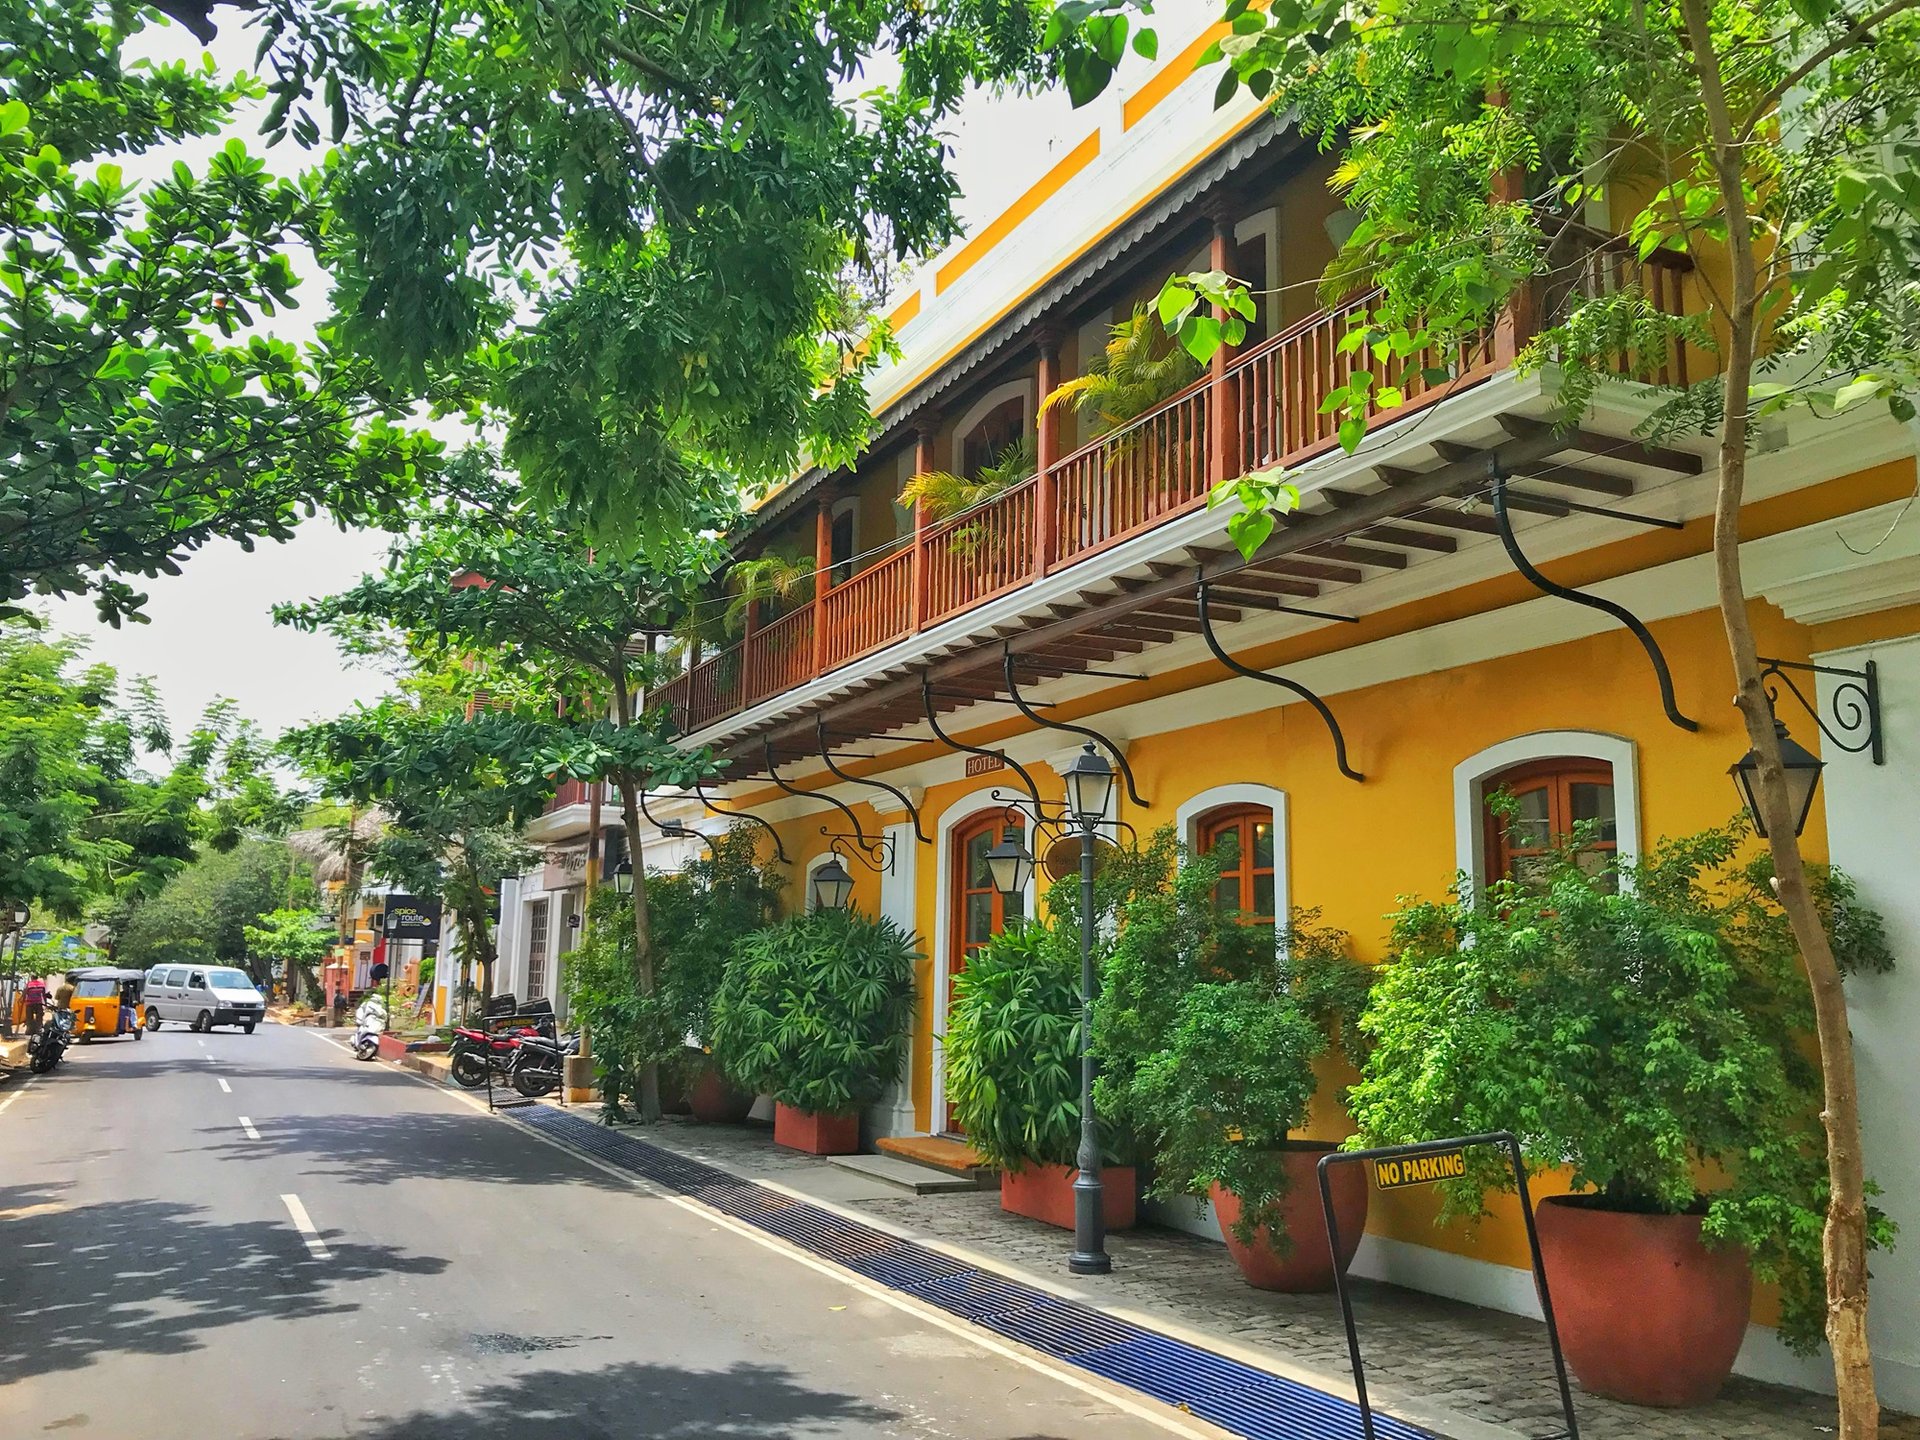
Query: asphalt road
pixel 464 1280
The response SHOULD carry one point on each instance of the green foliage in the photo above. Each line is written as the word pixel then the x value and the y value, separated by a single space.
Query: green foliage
pixel 1139 369
pixel 629 1030
pixel 1473 140
pixel 298 938
pixel 698 914
pixel 209 912
pixel 814 1010
pixel 945 494
pixel 1013 1047
pixel 142 420
pixel 1642 1024
pixel 82 823
pixel 1210 1030
pixel 765 579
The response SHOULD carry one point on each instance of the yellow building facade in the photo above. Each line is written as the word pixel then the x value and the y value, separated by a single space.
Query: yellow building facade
pixel 1392 596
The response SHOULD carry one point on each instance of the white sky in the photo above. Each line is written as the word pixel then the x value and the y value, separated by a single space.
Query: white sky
pixel 211 633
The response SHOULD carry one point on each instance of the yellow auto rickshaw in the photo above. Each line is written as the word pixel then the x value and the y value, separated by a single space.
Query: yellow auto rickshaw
pixel 107 1002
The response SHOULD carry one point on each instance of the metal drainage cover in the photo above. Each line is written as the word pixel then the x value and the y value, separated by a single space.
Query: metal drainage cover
pixel 1212 1387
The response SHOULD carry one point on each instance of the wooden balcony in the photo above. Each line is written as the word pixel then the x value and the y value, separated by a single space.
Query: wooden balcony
pixel 1260 410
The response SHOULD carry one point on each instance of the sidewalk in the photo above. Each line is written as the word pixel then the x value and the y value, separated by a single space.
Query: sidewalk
pixel 1456 1369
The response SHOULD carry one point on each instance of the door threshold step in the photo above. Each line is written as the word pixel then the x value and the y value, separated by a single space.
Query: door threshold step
pixel 905 1175
pixel 942 1152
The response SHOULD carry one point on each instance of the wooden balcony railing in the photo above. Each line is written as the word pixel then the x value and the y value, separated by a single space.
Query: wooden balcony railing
pixel 1260 411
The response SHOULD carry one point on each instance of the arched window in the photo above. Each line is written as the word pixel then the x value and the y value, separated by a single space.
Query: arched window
pixel 1241 838
pixel 996 433
pixel 980 911
pixel 1550 798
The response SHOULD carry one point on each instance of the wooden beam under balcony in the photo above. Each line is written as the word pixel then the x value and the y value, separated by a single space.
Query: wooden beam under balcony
pixel 1411 539
pixel 1371 555
pixel 1613 447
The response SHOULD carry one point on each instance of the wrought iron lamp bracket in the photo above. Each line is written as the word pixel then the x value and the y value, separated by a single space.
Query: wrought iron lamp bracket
pixel 669 829
pixel 1854 704
pixel 1051 818
pixel 877 855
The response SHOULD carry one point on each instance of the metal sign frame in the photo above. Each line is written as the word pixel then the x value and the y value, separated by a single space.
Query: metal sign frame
pixel 1507 1141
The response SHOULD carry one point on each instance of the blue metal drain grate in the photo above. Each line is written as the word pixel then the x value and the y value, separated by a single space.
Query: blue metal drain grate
pixel 1225 1392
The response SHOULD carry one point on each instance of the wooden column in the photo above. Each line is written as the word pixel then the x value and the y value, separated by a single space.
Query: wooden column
pixel 1517 323
pixel 1047 449
pixel 923 464
pixel 822 578
pixel 1223 415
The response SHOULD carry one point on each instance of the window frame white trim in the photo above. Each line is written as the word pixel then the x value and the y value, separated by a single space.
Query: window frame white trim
pixel 968 808
pixel 1186 821
pixel 1022 390
pixel 1617 751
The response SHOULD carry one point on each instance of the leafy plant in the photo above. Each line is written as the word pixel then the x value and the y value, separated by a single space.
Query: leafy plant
pixel 1013 1048
pixel 1209 1028
pixel 1140 368
pixel 766 577
pixel 699 914
pixel 945 494
pixel 631 1031
pixel 1642 1024
pixel 814 1010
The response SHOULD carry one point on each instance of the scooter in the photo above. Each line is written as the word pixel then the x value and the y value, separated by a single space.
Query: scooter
pixel 370 1023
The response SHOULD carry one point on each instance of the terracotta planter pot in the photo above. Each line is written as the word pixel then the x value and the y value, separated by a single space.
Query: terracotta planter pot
pixel 1308 1264
pixel 816 1134
pixel 1647 1313
pixel 714 1100
pixel 1045 1193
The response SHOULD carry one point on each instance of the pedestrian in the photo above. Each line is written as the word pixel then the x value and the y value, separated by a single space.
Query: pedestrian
pixel 129 1005
pixel 35 994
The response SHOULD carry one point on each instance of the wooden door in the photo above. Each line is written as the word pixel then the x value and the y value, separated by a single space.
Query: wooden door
pixel 980 911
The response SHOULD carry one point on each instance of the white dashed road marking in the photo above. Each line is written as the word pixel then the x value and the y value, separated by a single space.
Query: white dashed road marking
pixel 303 1222
pixel 247 1125
pixel 225 1089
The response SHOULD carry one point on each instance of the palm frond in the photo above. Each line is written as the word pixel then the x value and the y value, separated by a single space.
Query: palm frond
pixel 1140 368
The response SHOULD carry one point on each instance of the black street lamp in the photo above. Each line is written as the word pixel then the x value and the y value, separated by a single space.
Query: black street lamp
pixel 622 878
pixel 1089 785
pixel 832 885
pixel 1803 777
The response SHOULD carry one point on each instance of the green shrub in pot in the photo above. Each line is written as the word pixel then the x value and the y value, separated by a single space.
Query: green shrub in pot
pixel 1643 1025
pixel 1209 1028
pixel 698 913
pixel 1013 1050
pixel 814 1010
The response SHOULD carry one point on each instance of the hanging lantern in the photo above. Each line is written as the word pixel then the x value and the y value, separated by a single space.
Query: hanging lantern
pixel 1803 777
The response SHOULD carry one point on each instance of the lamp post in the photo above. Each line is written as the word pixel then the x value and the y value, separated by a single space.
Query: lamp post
pixel 1803 776
pixel 622 878
pixel 1089 785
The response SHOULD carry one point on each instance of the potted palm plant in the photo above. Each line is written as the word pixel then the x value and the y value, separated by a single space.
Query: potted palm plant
pixel 1641 1027
pixel 1141 367
pixel 814 1011
pixel 1013 1073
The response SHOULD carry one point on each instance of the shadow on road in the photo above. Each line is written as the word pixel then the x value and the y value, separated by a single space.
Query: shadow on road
pixel 636 1401
pixel 380 1149
pixel 141 1277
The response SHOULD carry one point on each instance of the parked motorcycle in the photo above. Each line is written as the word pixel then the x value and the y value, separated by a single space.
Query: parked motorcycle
pixel 45 1049
pixel 475 1053
pixel 370 1023
pixel 539 1063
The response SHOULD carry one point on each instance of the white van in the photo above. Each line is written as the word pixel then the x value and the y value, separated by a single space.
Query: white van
pixel 203 996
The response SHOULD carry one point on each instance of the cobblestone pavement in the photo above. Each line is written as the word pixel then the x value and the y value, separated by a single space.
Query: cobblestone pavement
pixel 1481 1364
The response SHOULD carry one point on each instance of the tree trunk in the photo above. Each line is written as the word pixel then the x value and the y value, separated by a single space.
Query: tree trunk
pixel 1844 1242
pixel 642 938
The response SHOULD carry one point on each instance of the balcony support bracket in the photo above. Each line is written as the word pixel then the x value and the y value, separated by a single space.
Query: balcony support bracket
pixel 1026 779
pixel 779 850
pixel 773 774
pixel 1119 760
pixel 1498 474
pixel 913 812
pixel 1319 705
